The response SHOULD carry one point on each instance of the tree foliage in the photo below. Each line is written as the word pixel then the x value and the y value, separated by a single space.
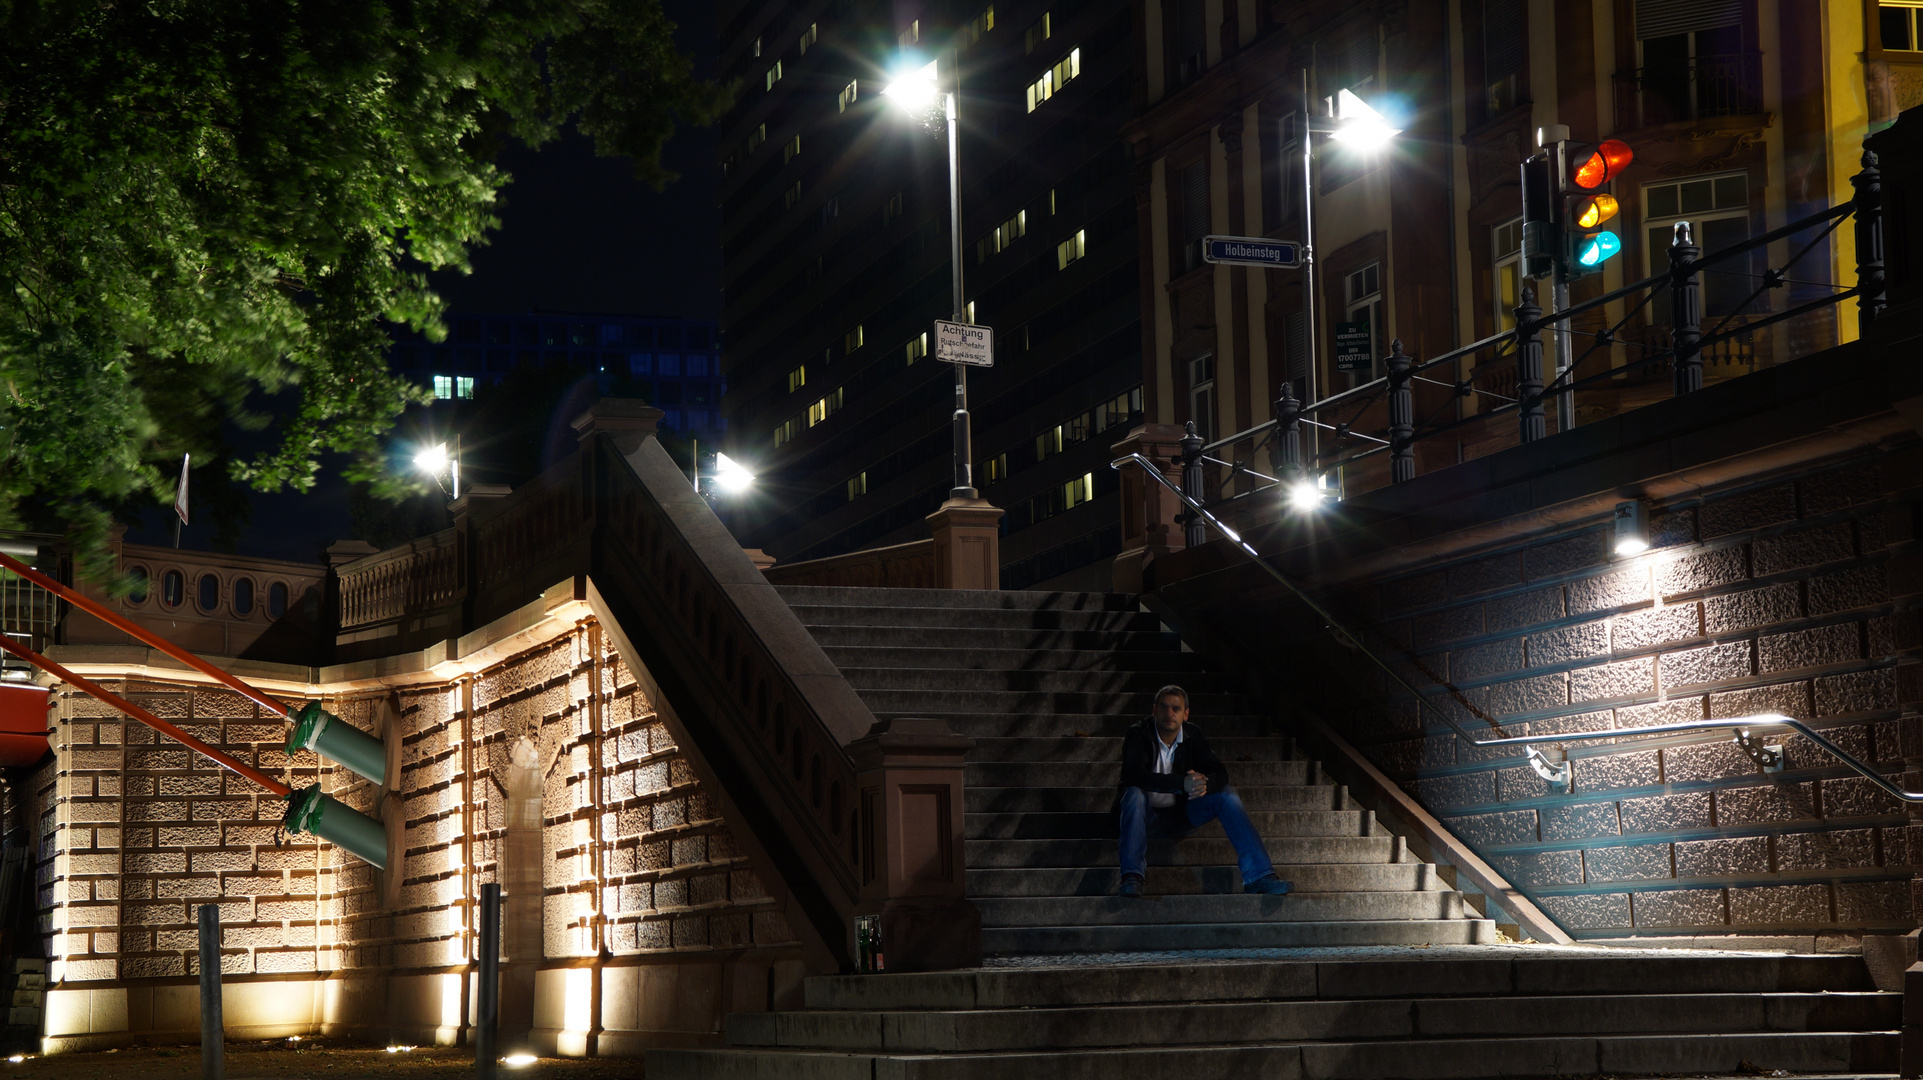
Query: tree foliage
pixel 205 201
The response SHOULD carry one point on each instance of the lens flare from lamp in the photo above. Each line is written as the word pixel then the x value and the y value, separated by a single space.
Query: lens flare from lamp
pixel 1304 496
pixel 1359 125
pixel 432 460
pixel 730 476
pixel 914 90
pixel 1599 248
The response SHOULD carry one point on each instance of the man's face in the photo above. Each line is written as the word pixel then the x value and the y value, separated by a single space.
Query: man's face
pixel 1170 715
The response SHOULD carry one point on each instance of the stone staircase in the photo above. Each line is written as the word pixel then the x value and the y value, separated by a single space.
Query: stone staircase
pixel 1046 683
pixel 1373 968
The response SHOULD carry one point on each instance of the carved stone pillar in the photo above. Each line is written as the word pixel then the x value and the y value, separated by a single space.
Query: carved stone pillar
pixel 1149 510
pixel 968 548
pixel 909 774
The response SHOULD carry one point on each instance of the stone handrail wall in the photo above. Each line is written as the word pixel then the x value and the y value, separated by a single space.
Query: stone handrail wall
pixel 898 566
pixel 419 576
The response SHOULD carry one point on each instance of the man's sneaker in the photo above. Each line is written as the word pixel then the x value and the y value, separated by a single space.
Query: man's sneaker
pixel 1131 887
pixel 1267 886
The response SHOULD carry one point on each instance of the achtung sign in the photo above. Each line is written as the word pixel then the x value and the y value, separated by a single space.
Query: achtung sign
pixel 964 343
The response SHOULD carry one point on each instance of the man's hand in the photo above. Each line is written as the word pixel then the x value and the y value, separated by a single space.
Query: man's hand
pixel 1198 784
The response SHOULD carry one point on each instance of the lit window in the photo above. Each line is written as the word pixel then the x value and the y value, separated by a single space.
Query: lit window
pixel 825 408
pixel 774 76
pixel 756 137
pixel 849 94
pixel 797 378
pixel 917 347
pixel 757 49
pixel 1071 249
pixel 1508 264
pixel 789 429
pixel 857 486
pixel 808 38
pixel 851 341
pixel 911 35
pixel 1078 491
pixel 1902 25
pixel 977 26
pixel 1202 394
pixel 463 386
pixel 1054 79
pixel 1002 236
pixel 443 387
pixel 792 150
pixel 791 196
pixel 968 314
pixel 1051 202
pixel 1035 34
pixel 1363 288
pixel 1048 442
pixel 996 468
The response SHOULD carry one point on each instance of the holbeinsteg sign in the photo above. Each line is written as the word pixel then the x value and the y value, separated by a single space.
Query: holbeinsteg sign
pixel 1251 251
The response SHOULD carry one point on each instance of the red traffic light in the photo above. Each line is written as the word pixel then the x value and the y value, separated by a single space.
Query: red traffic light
pixel 1609 159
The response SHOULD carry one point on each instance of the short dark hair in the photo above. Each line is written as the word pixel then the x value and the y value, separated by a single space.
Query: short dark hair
pixel 1174 690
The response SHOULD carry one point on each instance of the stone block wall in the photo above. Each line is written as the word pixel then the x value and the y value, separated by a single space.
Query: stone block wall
pixel 631 864
pixel 1796 596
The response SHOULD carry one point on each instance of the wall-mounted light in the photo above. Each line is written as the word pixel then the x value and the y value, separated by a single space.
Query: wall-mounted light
pixel 1632 528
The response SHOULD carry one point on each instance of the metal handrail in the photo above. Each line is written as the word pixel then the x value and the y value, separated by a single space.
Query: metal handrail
pixel 1557 772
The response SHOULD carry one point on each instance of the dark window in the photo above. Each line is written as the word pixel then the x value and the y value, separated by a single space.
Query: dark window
pixel 276 600
pixel 1191 39
pixel 670 337
pixel 1693 63
pixel 527 332
pixel 582 333
pixel 668 393
pixel 468 332
pixel 1194 180
pixel 640 337
pixel 209 592
pixel 497 333
pixel 554 333
pixel 173 588
pixel 500 359
pixel 1899 26
pixel 244 596
pixel 1502 52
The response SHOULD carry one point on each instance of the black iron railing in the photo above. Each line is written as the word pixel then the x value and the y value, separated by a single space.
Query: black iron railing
pixel 1702 88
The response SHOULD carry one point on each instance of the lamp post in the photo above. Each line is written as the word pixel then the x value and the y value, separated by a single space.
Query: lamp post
pixel 918 92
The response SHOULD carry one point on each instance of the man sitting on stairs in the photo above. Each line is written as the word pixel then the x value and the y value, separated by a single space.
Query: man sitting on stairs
pixel 1172 784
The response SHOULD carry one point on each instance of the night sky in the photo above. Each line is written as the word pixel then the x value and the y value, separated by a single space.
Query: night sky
pixel 578 233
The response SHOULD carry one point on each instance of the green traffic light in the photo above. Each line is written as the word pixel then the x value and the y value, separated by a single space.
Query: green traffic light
pixel 1600 247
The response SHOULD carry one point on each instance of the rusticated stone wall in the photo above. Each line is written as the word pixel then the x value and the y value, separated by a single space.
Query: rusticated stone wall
pixel 631 919
pixel 1794 596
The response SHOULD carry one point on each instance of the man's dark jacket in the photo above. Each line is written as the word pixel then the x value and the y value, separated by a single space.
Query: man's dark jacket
pixel 1140 747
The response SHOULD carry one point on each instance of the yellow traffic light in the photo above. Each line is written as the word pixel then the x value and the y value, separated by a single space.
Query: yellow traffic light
pixel 1593 210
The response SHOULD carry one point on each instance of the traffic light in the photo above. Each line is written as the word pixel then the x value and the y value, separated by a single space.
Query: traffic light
pixel 1589 207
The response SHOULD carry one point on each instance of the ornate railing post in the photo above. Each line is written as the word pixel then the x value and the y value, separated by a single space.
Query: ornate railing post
pixel 1529 366
pixel 1402 415
pixel 913 873
pixel 1149 510
pixel 1686 309
pixel 1869 243
pixel 1285 453
pixel 1193 534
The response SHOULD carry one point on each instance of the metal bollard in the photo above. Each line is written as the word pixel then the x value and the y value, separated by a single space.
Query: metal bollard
pixel 1402 415
pixel 488 994
pixel 1529 367
pixel 213 1027
pixel 1686 309
pixel 1869 243
pixel 1194 535
pixel 1286 452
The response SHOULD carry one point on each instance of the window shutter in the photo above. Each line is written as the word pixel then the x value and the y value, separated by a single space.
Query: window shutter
pixel 1502 39
pixel 1665 18
pixel 1195 202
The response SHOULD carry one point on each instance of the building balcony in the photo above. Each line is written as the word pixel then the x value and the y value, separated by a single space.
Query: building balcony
pixel 1703 88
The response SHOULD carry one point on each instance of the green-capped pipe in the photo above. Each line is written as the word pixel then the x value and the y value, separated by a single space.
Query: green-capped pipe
pixel 329 736
pixel 309 810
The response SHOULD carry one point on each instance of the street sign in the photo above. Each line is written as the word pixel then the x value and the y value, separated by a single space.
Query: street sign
pixel 1352 347
pixel 1251 251
pixel 964 343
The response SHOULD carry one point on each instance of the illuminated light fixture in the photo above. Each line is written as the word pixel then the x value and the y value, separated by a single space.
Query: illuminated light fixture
pixel 1612 157
pixel 915 90
pixel 731 476
pixel 1359 125
pixel 1600 247
pixel 16 1058
pixel 432 459
pixel 519 1061
pixel 1632 528
pixel 400 1049
pixel 1596 209
pixel 1304 496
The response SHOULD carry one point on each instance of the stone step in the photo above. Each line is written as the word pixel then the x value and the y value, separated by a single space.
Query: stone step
pixel 1412 1059
pixel 1198 850
pixel 1007 600
pixel 1101 800
pixel 1200 685
pixel 1079 725
pixel 859 634
pixel 896 654
pixel 1269 934
pixel 1184 880
pixel 1134 703
pixel 1229 748
pixel 1105 774
pixel 1541 970
pixel 1277 823
pixel 1234 908
pixel 1217 1023
pixel 914 618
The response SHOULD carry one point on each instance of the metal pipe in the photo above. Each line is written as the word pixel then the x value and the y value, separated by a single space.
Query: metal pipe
pixel 213 1025
pixel 88 686
pixel 964 440
pixel 488 994
pixel 141 633
pixel 1309 342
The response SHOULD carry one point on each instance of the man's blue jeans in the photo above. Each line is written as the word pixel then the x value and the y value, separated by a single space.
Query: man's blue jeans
pixel 1140 821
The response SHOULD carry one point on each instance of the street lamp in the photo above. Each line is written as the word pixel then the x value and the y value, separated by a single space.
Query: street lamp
pixel 917 91
pixel 730 476
pixel 435 460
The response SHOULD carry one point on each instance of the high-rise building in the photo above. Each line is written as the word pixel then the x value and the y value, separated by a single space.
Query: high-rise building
pixel 673 363
pixel 835 209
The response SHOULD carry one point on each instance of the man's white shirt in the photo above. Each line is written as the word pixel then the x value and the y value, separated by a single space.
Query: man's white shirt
pixel 1165 764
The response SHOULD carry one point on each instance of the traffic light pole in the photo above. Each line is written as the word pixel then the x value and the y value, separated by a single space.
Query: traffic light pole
pixel 1314 376
pixel 1565 359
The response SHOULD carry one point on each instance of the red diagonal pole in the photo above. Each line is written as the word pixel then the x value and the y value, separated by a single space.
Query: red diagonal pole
pixel 140 633
pixel 57 671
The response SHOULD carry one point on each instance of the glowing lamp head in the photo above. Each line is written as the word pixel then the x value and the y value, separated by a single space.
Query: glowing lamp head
pixel 730 476
pixel 914 90
pixel 1631 528
pixel 1304 496
pixel 432 460
pixel 1360 126
pixel 519 1061
pixel 1599 248
pixel 1612 157
pixel 1593 210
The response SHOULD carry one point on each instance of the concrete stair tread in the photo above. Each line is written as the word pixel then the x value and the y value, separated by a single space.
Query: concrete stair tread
pixel 1200 685
pixel 1192 880
pixel 1230 749
pixel 1099 800
pixel 1101 826
pixel 1001 599
pixel 918 618
pixel 1198 850
pixel 862 635
pixel 1268 934
pixel 1014 659
pixel 1238 907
